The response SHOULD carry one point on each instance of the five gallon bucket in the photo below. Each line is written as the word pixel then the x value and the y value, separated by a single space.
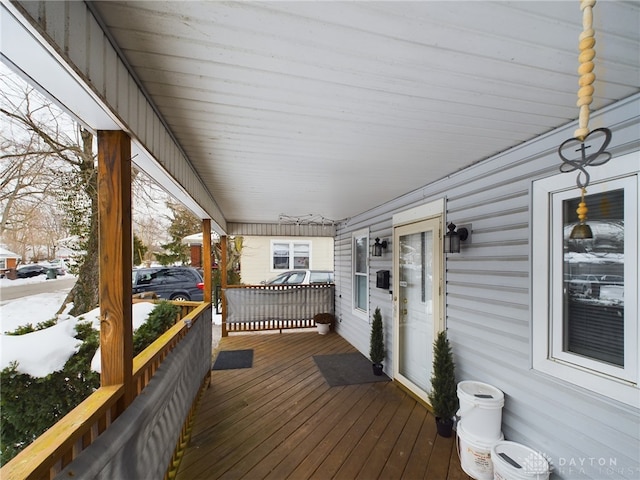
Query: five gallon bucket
pixel 481 409
pixel 475 454
pixel 513 461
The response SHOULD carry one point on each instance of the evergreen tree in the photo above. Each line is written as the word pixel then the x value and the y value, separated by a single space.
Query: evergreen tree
pixel 376 352
pixel 161 319
pixel 183 223
pixel 443 395
pixel 139 250
pixel 30 405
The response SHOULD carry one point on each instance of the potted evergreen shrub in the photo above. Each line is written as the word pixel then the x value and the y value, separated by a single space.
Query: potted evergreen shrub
pixel 323 322
pixel 443 395
pixel 376 351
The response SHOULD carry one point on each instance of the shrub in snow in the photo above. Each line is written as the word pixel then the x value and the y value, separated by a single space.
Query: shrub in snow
pixel 30 405
pixel 161 319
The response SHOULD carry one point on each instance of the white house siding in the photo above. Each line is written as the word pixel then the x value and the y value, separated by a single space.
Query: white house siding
pixel 488 295
pixel 256 256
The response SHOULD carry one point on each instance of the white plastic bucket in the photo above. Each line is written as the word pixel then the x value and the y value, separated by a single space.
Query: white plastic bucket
pixel 513 461
pixel 475 454
pixel 481 409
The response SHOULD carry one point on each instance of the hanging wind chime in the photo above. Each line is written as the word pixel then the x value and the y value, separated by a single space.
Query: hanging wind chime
pixel 585 96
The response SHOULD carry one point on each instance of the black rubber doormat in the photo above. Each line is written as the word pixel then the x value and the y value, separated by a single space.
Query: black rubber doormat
pixel 347 369
pixel 232 359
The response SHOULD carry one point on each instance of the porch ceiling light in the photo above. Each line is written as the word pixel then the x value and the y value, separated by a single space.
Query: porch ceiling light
pixel 586 42
pixel 453 238
pixel 309 219
pixel 378 247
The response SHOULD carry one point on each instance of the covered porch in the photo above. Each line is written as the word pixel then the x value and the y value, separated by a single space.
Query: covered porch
pixel 375 112
pixel 280 419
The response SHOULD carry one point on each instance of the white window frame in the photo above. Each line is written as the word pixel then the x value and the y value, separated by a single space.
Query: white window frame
pixel 547 259
pixel 3 263
pixel 360 234
pixel 291 265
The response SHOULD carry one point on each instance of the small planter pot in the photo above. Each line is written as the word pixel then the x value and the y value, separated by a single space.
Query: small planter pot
pixel 377 368
pixel 323 328
pixel 323 321
pixel 444 427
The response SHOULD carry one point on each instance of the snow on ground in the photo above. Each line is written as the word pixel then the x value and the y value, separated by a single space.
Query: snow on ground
pixel 45 351
pixel 42 352
pixel 33 309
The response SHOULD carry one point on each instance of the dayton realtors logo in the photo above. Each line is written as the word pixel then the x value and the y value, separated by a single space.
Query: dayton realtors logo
pixel 536 463
pixel 595 467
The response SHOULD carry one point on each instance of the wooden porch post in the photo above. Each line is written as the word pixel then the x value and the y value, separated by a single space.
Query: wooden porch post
pixel 206 261
pixel 114 213
pixel 223 281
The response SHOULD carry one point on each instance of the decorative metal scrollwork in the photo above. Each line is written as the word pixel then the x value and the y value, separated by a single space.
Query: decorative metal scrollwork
pixel 586 42
pixel 594 159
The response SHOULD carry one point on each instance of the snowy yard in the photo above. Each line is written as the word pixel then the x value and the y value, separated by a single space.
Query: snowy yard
pixel 45 351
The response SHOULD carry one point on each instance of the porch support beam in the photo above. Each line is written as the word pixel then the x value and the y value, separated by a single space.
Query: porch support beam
pixel 114 210
pixel 206 261
pixel 223 281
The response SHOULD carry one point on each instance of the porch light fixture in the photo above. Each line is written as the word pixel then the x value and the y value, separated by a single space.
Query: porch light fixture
pixel 453 238
pixel 586 42
pixel 378 247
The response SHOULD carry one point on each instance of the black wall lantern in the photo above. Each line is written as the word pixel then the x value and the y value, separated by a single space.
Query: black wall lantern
pixel 376 249
pixel 453 238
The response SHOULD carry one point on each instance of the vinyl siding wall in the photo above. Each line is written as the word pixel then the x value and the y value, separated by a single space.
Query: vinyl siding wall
pixel 488 295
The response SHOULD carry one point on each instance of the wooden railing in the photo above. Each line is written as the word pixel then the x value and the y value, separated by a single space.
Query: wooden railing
pixel 276 307
pixel 147 362
pixel 64 441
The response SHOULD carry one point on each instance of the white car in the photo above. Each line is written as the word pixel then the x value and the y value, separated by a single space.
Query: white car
pixel 302 277
pixel 583 284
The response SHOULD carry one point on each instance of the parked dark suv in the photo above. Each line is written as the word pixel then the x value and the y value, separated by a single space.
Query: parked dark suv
pixel 171 283
pixel 28 271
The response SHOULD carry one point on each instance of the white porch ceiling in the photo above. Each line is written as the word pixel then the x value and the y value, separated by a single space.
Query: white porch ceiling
pixel 332 108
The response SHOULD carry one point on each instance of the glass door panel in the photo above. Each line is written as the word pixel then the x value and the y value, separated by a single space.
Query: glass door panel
pixel 417 302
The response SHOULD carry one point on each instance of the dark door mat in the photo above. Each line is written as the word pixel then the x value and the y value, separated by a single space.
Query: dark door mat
pixel 232 359
pixel 347 369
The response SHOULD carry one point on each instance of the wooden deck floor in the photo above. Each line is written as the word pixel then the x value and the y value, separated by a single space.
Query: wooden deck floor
pixel 281 420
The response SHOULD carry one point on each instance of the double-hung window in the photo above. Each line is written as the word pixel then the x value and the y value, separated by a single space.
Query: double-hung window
pixel 585 292
pixel 360 248
pixel 290 255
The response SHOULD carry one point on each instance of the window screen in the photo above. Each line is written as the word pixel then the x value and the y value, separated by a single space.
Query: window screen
pixel 280 256
pixel 594 280
pixel 361 278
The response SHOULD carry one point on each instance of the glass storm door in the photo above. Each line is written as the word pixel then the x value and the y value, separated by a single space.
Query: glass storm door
pixel 417 302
